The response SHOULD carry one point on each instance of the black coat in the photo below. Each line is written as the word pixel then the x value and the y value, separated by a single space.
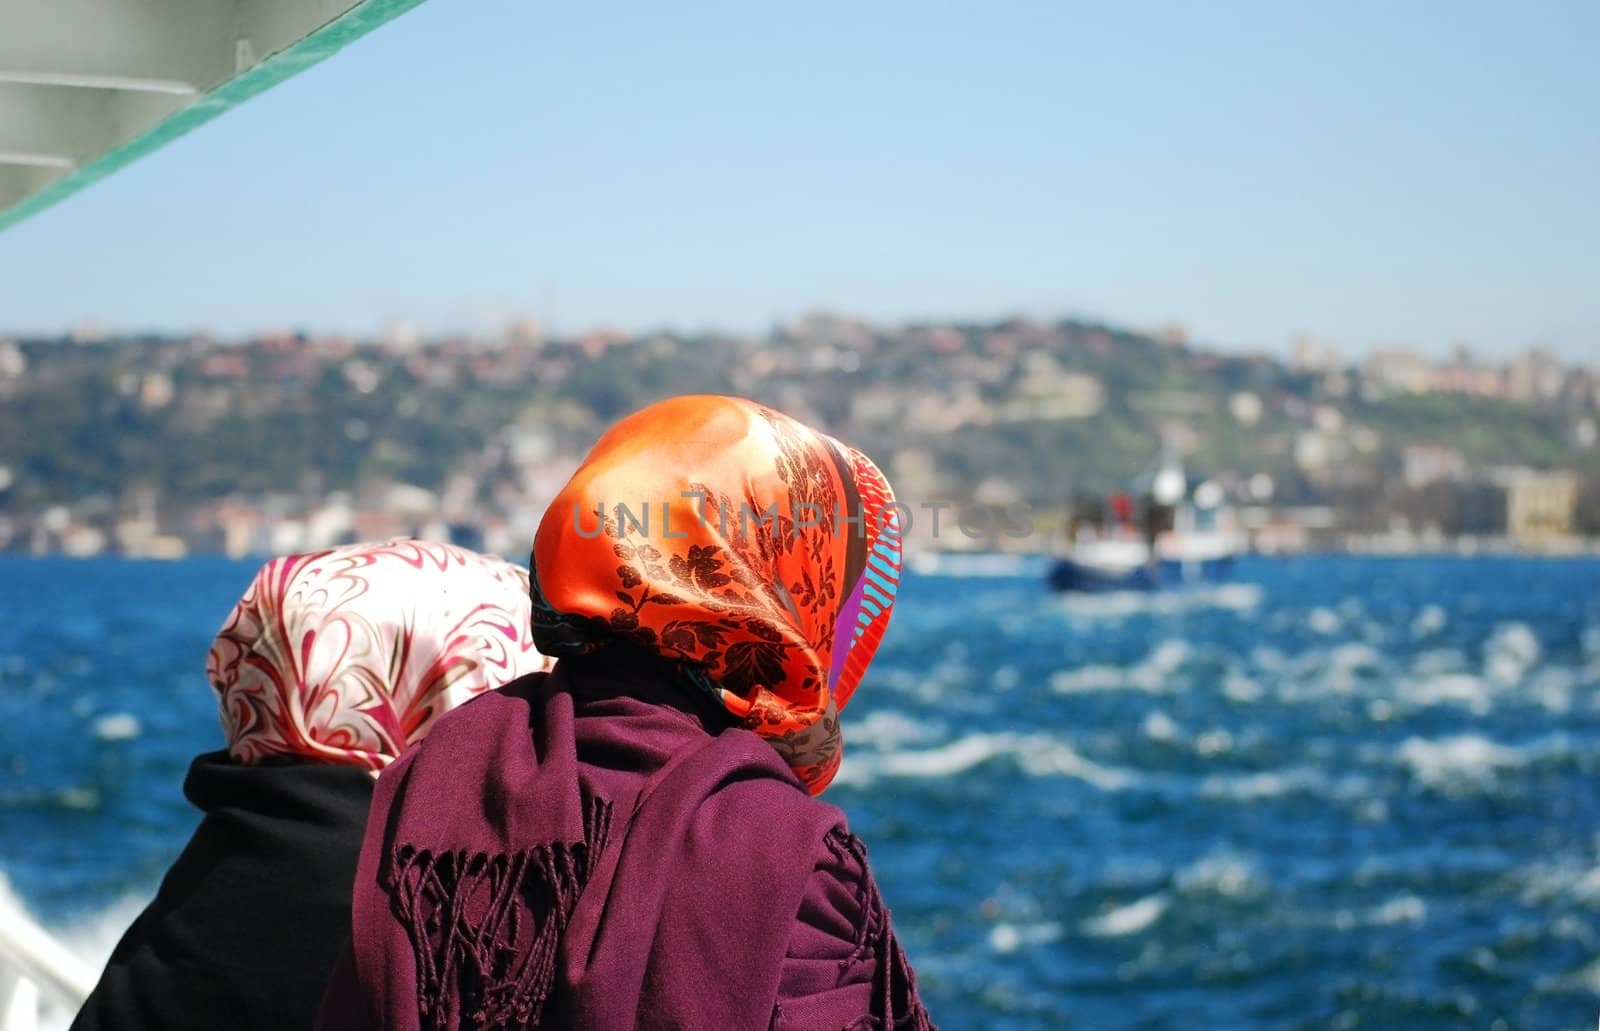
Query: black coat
pixel 251 917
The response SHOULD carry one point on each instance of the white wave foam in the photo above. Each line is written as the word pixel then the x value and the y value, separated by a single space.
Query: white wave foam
pixel 1462 689
pixel 1372 810
pixel 1039 755
pixel 1509 653
pixel 1463 760
pixel 1552 688
pixel 116 726
pixel 1121 604
pixel 1005 678
pixel 1510 669
pixel 1043 757
pixel 943 761
pixel 1439 660
pixel 1568 880
pixel 1239 688
pixel 1430 619
pixel 1403 909
pixel 1354 655
pixel 1587 887
pixel 928 687
pixel 1154 675
pixel 886 729
pixel 1339 670
pixel 84 798
pixel 1006 937
pixel 1324 621
pixel 1086 679
pixel 1131 918
pixel 897 679
pixel 1250 787
pixel 1158 726
pixel 1213 742
pixel 1268 659
pixel 1515 639
pixel 1236 596
pixel 1585 978
pixel 1220 873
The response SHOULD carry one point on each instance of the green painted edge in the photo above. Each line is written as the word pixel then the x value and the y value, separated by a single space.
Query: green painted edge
pixel 275 68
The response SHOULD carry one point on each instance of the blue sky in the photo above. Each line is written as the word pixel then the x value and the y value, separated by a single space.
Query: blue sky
pixel 1366 172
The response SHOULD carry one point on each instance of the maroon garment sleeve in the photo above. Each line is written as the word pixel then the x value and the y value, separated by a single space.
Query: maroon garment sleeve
pixel 844 969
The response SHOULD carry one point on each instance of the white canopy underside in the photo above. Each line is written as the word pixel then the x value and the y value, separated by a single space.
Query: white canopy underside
pixel 88 85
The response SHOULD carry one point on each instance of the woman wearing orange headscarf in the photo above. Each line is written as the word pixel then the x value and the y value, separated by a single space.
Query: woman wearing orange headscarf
pixel 630 840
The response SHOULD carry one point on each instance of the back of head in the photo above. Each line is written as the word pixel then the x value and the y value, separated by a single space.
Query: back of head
pixel 754 552
pixel 349 655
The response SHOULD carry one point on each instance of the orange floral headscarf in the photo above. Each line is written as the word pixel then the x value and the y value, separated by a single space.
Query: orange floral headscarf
pixel 759 555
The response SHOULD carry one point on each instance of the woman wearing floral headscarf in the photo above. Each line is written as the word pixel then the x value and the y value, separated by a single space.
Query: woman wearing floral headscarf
pixel 328 668
pixel 630 841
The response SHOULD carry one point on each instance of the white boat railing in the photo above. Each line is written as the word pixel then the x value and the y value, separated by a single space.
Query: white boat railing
pixel 34 965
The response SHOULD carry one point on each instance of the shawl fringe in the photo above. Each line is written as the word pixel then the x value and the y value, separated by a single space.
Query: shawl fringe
pixel 484 927
pixel 896 1005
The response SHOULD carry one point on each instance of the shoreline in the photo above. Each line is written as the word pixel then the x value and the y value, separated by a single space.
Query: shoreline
pixel 1355 547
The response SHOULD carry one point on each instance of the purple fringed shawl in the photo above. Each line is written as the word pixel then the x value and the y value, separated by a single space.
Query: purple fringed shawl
pixel 583 850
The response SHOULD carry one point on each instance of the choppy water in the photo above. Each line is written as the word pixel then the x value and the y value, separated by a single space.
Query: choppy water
pixel 1345 793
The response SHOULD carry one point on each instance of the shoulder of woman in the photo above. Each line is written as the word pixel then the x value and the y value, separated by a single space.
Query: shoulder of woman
pixel 844 966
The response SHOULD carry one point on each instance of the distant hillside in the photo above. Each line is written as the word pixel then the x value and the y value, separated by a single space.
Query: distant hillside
pixel 998 411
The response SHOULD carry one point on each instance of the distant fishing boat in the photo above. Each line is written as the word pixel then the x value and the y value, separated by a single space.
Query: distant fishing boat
pixel 1182 533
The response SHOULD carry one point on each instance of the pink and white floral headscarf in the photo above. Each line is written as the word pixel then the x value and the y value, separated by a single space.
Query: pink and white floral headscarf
pixel 348 655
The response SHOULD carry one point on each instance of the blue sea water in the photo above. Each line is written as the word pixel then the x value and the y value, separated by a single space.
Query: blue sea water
pixel 1343 792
